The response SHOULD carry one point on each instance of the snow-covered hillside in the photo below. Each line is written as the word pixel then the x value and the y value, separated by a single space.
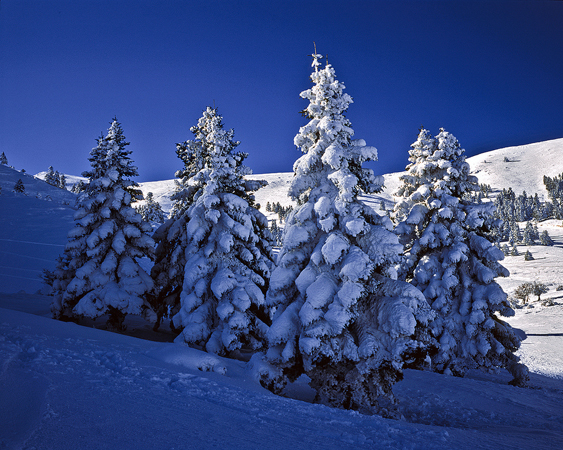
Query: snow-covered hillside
pixel 67 386
pixel 521 167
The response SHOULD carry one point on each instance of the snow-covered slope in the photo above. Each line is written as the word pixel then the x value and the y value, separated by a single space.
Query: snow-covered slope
pixel 66 386
pixel 524 169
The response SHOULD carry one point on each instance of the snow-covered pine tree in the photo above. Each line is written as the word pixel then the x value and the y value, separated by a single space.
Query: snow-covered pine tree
pixel 341 318
pixel 62 181
pixel 528 237
pixel 545 239
pixel 3 159
pixel 450 258
pixel 79 187
pixel 223 243
pixel 171 237
pixel 50 177
pixel 151 211
pixel 99 272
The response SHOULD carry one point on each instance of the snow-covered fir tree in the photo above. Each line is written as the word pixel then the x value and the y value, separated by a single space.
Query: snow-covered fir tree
pixel 545 239
pixel 51 178
pixel 171 237
pixel 528 256
pixel 223 243
pixel 450 258
pixel 340 316
pixel 79 187
pixel 99 272
pixel 3 159
pixel 62 181
pixel 529 235
pixel 151 211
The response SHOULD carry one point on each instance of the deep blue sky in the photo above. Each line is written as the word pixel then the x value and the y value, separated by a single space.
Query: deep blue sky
pixel 490 72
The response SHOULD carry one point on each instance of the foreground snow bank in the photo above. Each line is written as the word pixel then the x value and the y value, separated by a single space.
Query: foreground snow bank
pixel 67 386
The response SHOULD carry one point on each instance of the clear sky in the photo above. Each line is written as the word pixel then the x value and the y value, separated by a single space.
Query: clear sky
pixel 490 72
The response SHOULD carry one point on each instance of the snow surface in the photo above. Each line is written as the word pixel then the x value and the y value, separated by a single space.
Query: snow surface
pixel 67 386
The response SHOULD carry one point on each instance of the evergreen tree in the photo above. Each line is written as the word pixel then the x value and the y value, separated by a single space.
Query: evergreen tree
pixel 514 251
pixel 450 258
pixel 50 177
pixel 62 181
pixel 3 159
pixel 79 187
pixel 545 239
pixel 99 272
pixel 19 186
pixel 171 237
pixel 151 211
pixel 515 233
pixel 528 256
pixel 340 317
pixel 227 248
pixel 529 234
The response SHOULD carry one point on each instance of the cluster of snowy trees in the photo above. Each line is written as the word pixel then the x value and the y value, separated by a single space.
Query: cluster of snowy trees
pixel 54 178
pixel 151 211
pixel 523 208
pixel 352 298
pixel 279 209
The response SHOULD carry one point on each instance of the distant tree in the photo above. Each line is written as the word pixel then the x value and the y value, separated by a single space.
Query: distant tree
pixel 99 272
pixel 529 235
pixel 276 232
pixel 506 250
pixel 514 251
pixel 515 233
pixel 62 181
pixel 51 178
pixel 19 186
pixel 539 288
pixel 485 189
pixel 151 211
pixel 528 256
pixel 3 159
pixel 545 239
pixel 523 292
pixel 79 187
